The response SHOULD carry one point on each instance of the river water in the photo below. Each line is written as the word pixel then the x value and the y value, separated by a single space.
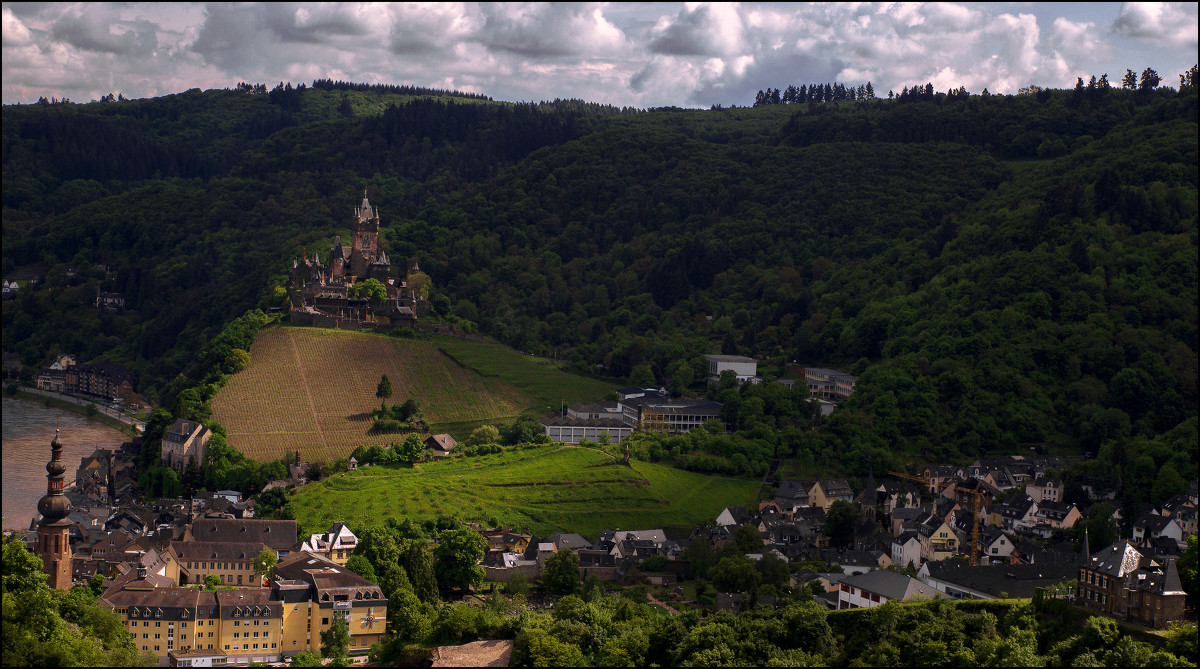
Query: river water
pixel 28 431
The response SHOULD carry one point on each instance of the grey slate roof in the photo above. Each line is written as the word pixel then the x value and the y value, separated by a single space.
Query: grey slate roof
pixel 890 585
pixel 1015 580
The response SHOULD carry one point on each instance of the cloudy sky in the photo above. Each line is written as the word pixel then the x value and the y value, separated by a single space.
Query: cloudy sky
pixel 648 54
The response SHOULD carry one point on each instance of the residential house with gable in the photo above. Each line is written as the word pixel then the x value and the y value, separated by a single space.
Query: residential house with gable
pixel 824 493
pixel 907 549
pixel 1044 489
pixel 1122 582
pixel 1152 526
pixel 875 588
pixel 337 544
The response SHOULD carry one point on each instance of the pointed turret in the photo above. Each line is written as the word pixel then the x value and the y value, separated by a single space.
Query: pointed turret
pixel 1171 585
pixel 1085 553
pixel 53 542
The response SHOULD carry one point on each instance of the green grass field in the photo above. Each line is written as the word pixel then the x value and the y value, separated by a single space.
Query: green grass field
pixel 539 491
pixel 542 380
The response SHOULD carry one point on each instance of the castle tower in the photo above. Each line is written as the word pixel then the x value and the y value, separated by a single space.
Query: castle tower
pixel 53 540
pixel 365 243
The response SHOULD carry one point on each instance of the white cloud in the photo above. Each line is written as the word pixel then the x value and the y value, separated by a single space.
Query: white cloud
pixel 627 54
pixel 15 34
pixel 1171 22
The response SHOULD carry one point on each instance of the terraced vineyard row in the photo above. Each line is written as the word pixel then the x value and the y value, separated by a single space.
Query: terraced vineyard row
pixel 540 491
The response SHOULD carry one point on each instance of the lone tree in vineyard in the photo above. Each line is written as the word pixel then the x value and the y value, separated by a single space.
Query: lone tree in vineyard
pixel 384 390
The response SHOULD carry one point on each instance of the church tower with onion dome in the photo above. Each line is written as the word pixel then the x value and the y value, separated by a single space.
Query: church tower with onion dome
pixel 53 540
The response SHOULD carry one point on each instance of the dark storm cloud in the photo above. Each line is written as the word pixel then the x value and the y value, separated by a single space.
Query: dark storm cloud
pixel 691 34
pixel 230 36
pixel 136 38
pixel 309 23
pixel 543 30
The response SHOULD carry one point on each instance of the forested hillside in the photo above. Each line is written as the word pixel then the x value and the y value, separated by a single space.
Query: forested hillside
pixel 1004 272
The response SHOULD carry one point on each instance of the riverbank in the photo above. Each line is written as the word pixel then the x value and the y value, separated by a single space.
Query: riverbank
pixel 78 406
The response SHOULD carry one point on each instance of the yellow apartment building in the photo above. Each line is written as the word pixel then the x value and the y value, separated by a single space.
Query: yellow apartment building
pixel 187 626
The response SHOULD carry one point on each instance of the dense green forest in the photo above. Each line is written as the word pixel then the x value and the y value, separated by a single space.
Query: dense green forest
pixel 1005 272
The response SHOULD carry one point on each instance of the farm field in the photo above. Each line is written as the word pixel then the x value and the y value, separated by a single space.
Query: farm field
pixel 539 491
pixel 312 390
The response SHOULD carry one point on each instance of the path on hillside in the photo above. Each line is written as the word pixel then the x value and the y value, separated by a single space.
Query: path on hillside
pixel 655 600
pixel 312 406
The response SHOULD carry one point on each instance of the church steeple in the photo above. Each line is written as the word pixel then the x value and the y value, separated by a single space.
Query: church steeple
pixel 53 543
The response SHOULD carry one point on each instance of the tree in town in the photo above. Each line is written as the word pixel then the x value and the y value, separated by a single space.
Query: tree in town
pixel 458 554
pixel 305 658
pixel 735 574
pixel 362 566
pixel 335 641
pixel 418 562
pixel 839 523
pixel 747 539
pixel 264 562
pixel 562 572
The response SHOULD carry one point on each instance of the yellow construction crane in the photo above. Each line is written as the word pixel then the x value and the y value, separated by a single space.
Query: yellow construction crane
pixel 977 497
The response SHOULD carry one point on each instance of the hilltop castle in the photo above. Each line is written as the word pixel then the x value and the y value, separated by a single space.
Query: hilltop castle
pixel 320 293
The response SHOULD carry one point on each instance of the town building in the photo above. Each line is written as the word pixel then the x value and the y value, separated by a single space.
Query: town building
pixel 191 562
pixel 874 588
pixel 102 379
pixel 957 580
pixel 184 441
pixel 337 544
pixel 829 384
pixel 746 369
pixel 279 535
pixel 440 444
pixel 1044 489
pixel 568 430
pixel 1122 582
